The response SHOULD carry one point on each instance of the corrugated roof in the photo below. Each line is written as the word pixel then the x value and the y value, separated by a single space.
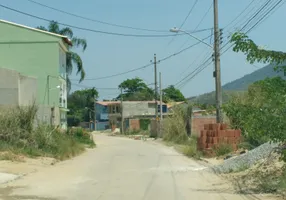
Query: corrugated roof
pixel 65 38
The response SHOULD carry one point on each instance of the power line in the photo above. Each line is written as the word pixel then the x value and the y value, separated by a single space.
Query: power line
pixel 186 18
pixel 189 13
pixel 202 67
pixel 94 20
pixel 200 22
pixel 145 66
pixel 90 30
pixel 240 13
pixel 186 77
pixel 260 10
pixel 266 14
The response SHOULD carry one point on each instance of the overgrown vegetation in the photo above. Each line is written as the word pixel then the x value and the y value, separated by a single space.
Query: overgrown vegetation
pixel 175 129
pixel 19 135
pixel 223 149
pixel 260 113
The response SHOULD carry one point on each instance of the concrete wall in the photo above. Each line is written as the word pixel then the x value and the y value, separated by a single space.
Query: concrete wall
pixel 20 90
pixel 9 94
pixel 138 108
pixel 16 89
pixel 32 53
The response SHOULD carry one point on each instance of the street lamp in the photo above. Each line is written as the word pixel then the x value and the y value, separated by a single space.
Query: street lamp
pixel 176 30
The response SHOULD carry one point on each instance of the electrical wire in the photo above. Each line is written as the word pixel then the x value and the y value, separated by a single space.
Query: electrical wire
pixel 266 15
pixel 260 10
pixel 91 30
pixel 143 67
pixel 202 67
pixel 186 18
pixel 244 10
pixel 200 22
pixel 94 20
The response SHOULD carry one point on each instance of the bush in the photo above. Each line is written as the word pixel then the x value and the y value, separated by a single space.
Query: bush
pixel 18 135
pixel 81 136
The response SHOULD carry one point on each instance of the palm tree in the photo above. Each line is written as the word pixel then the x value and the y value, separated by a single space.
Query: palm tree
pixel 72 57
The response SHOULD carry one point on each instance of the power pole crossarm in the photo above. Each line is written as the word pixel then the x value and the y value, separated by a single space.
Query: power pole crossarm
pixel 217 64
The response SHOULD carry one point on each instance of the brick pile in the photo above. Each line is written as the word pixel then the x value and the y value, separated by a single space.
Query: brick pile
pixel 214 135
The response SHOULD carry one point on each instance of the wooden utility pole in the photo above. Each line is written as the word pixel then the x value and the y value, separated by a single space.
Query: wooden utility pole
pixel 121 109
pixel 217 73
pixel 156 88
pixel 161 97
pixel 95 112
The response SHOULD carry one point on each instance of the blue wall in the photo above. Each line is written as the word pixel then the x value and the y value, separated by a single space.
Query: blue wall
pixel 99 110
pixel 164 108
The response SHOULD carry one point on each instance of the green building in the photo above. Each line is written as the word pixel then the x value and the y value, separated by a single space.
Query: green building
pixel 41 55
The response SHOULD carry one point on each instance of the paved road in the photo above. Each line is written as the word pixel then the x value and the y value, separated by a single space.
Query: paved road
pixel 123 169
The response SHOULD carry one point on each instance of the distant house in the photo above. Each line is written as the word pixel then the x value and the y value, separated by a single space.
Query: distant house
pixel 42 55
pixel 102 115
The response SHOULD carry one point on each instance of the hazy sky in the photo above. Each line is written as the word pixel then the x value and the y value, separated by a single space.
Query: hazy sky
pixel 108 55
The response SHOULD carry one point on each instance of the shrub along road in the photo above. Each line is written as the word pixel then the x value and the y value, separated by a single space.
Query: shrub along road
pixel 121 168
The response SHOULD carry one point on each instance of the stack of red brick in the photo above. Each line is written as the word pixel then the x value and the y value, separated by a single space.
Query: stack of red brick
pixel 214 135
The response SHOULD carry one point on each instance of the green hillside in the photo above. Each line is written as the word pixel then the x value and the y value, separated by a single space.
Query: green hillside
pixel 238 85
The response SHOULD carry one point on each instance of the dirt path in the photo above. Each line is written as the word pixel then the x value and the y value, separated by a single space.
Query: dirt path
pixel 121 168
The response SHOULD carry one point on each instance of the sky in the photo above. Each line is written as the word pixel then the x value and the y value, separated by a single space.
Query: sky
pixel 109 54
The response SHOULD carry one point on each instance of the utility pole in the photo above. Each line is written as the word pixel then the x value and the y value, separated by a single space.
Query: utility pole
pixel 122 120
pixel 156 89
pixel 161 97
pixel 95 112
pixel 217 73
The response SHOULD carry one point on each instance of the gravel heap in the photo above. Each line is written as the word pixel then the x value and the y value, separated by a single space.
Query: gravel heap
pixel 246 160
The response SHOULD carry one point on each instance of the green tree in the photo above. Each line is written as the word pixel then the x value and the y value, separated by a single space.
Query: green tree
pixel 254 53
pixel 72 58
pixel 135 90
pixel 172 94
pixel 260 113
pixel 81 102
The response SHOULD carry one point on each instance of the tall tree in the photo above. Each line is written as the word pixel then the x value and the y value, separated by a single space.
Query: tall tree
pixel 135 90
pixel 172 94
pixel 72 58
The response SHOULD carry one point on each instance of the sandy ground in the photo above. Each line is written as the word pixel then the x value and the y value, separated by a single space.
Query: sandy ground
pixel 119 168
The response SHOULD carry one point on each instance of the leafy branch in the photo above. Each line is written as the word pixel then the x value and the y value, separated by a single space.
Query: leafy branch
pixel 256 54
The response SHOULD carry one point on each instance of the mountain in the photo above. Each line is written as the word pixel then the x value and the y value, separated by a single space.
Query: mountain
pixel 238 85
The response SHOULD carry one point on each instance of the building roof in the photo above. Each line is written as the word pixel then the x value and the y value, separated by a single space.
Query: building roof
pixel 65 38
pixel 106 103
pixel 170 105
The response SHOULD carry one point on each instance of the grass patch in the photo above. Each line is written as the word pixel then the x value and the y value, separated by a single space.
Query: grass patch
pixel 223 149
pixel 190 149
pixel 18 135
pixel 11 156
